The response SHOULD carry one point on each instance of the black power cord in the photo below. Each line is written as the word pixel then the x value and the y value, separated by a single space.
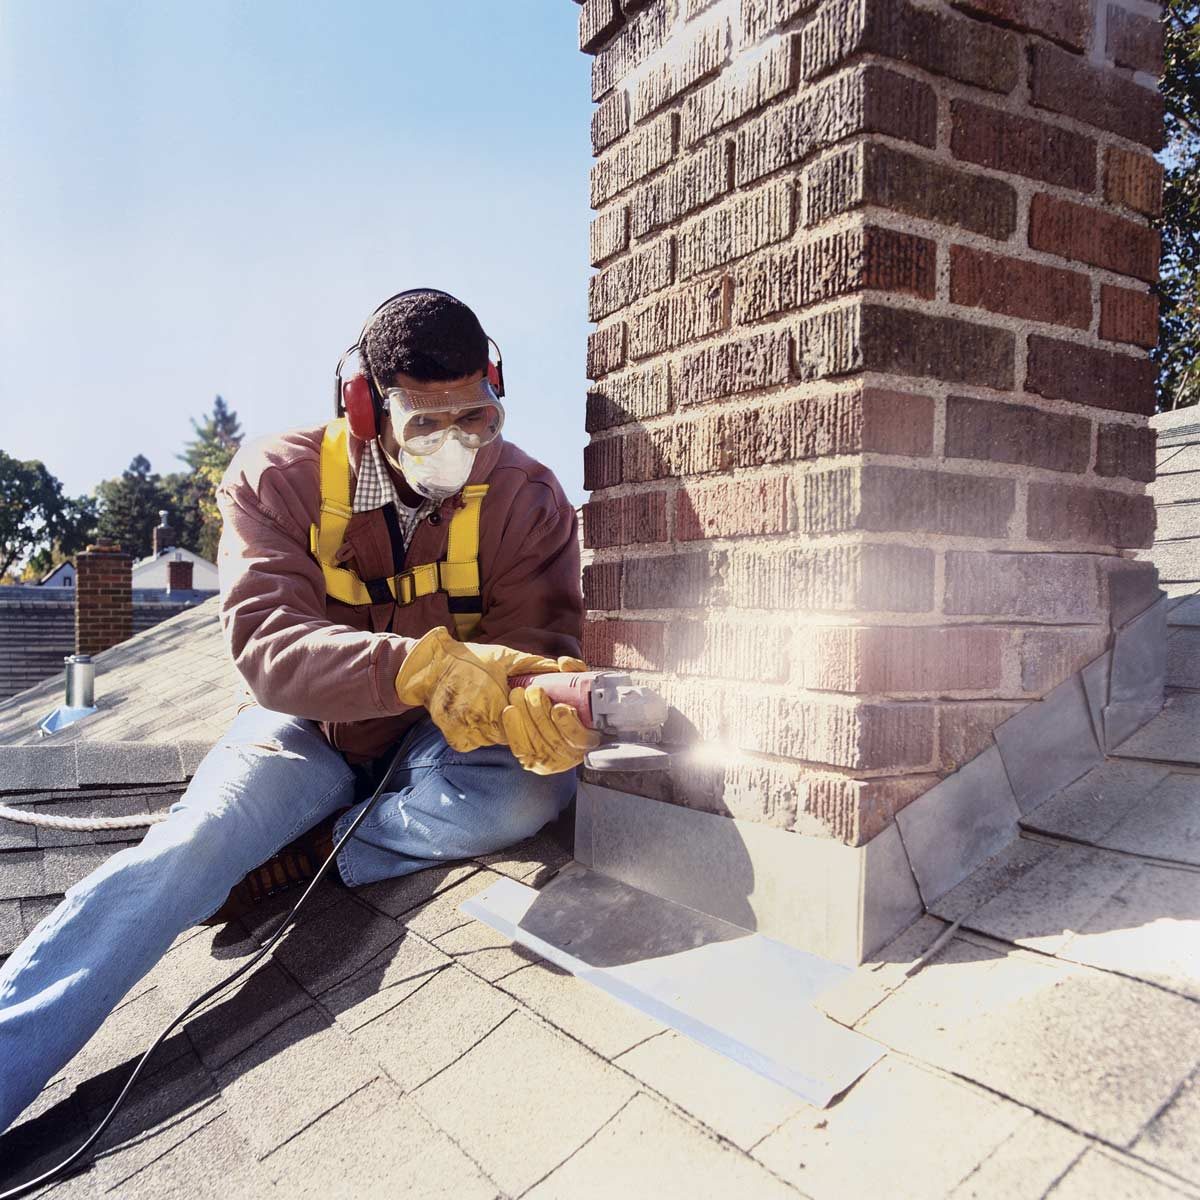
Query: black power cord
pixel 71 1165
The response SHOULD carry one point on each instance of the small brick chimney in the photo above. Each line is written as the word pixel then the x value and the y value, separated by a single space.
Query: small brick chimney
pixel 103 597
pixel 179 575
pixel 164 535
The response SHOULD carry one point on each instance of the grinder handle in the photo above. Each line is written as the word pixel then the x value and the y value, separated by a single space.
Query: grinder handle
pixel 564 687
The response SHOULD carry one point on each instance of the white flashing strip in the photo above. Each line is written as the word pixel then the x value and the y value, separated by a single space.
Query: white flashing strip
pixel 742 994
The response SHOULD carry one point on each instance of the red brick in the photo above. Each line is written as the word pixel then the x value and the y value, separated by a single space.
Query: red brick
pixel 1135 41
pixel 610 121
pixel 732 508
pixel 1099 96
pixel 902 659
pixel 741 225
pixel 602 585
pixel 729 649
pixel 701 53
pixel 837 265
pixel 1125 450
pixel 633 158
pixel 728 99
pixel 1134 180
pixel 598 20
pixel 602 464
pixel 1022 146
pixel 1044 587
pixel 626 645
pixel 760 17
pixel 680 317
pixel 608 235
pixel 606 349
pixel 882 498
pixel 631 396
pixel 731 368
pixel 1089 235
pixel 647 454
pixel 1016 288
pixel 871 173
pixel 965 729
pixel 625 520
pixel 698 180
pixel 1089 516
pixel 1066 21
pixel 961 49
pixel 1088 375
pixel 1128 316
pixel 675 580
pixel 868 99
pixel 640 38
pixel 1048 656
pixel 631 279
pixel 1016 433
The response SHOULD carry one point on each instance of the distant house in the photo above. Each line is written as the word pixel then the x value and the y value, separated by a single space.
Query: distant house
pixel 151 572
pixel 61 576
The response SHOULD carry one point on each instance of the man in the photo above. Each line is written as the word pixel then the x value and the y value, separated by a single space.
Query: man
pixel 349 553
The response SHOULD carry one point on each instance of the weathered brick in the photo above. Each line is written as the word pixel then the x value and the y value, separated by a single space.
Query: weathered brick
pixel 1022 146
pixel 1066 21
pixel 1045 587
pixel 871 173
pixel 696 181
pixel 1048 656
pixel 853 578
pixel 761 17
pixel 695 580
pixel 1128 316
pixel 1029 290
pixel 602 586
pixel 602 464
pixel 630 279
pixel 1134 180
pixel 732 508
pixel 632 396
pixel 625 645
pixel 1016 433
pixel 1089 516
pixel 862 736
pixel 881 498
pixel 606 350
pixel 682 316
pixel 693 8
pixel 730 368
pixel 728 99
pixel 1125 450
pixel 741 225
pixel 598 20
pixel 700 54
pixel 610 120
pixel 903 342
pixel 728 649
pixel 633 158
pixel 625 520
pixel 608 235
pixel 1100 96
pixel 1087 375
pixel 1135 41
pixel 1089 235
pixel 965 729
pixel 968 51
pixel 827 267
pixel 869 660
pixel 646 454
pixel 869 99
pixel 640 38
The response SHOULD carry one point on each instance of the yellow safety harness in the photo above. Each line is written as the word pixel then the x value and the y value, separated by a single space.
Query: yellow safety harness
pixel 457 575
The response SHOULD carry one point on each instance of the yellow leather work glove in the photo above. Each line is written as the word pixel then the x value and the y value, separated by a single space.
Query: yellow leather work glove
pixel 545 738
pixel 464 685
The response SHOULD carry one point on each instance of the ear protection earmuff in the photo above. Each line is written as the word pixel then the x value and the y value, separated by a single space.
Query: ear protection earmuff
pixel 359 396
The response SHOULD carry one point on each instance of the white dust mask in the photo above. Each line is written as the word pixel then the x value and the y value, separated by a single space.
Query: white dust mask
pixel 443 473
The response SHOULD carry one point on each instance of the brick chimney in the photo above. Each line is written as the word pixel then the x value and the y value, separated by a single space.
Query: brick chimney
pixel 103 598
pixel 179 575
pixel 869 426
pixel 164 536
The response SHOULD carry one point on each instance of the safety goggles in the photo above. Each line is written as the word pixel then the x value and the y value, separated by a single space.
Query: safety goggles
pixel 422 420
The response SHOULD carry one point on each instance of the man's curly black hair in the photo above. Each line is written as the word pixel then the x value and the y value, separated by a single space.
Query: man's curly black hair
pixel 428 335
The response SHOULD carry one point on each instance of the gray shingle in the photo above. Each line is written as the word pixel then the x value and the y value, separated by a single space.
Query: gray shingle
pixel 394 897
pixel 128 762
pixel 65 866
pixel 21 874
pixel 37 768
pixel 11 929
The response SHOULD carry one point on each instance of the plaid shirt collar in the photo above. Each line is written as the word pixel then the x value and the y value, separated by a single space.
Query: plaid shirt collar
pixel 374 488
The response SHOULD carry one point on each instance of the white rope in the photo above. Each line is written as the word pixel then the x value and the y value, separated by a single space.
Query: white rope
pixel 137 821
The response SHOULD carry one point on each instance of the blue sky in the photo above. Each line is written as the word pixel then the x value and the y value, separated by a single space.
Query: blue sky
pixel 205 198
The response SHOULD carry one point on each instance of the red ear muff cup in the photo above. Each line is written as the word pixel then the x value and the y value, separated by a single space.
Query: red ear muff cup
pixel 360 407
pixel 495 378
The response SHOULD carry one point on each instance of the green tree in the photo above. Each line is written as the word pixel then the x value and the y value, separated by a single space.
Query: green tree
pixel 76 528
pixel 194 492
pixel 219 431
pixel 129 507
pixel 34 513
pixel 1178 353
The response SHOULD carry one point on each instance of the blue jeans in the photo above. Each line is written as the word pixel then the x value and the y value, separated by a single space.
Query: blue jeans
pixel 265 782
